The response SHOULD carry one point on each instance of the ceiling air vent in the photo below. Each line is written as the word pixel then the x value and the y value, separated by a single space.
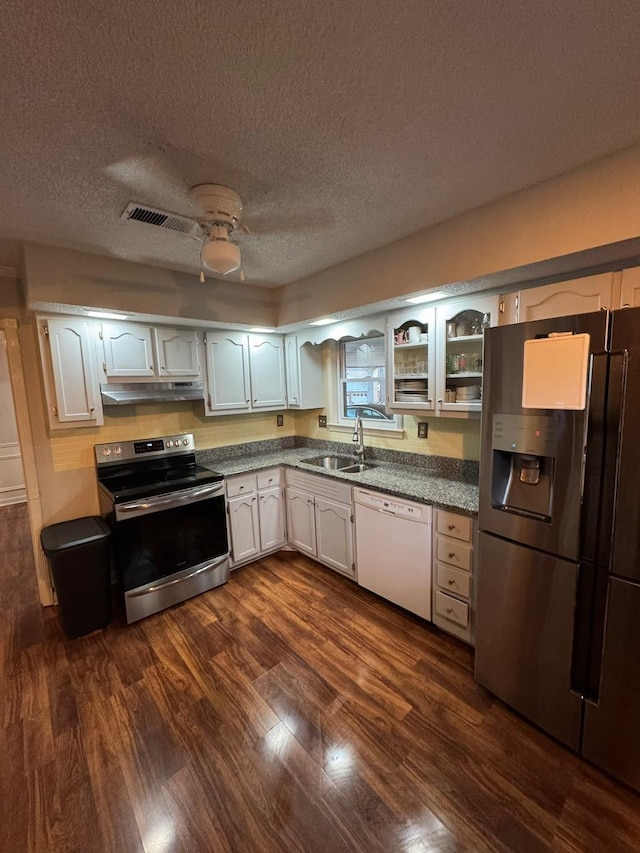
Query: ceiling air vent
pixel 162 219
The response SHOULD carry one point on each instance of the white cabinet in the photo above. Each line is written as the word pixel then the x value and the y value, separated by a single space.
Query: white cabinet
pixel 128 350
pixel 266 367
pixel 435 356
pixel 320 519
pixel 563 298
pixel 176 352
pixel 70 372
pixel 459 352
pixel 256 515
pixel 303 368
pixel 134 351
pixel 411 367
pixel 630 288
pixel 244 372
pixel 454 590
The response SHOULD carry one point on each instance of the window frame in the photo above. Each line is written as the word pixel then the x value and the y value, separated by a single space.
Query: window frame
pixel 395 423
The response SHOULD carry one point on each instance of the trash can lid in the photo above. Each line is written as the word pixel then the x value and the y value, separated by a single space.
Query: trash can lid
pixel 71 534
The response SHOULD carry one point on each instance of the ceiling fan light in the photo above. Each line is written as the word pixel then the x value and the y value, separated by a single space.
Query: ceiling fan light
pixel 221 256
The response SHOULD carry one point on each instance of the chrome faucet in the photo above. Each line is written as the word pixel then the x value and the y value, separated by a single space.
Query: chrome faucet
pixel 358 437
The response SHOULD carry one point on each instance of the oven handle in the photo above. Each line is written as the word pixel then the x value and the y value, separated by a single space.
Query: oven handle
pixel 193 574
pixel 172 500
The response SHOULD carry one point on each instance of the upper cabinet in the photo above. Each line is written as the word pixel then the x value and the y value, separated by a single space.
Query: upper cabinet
pixel 176 352
pixel 411 349
pixel 135 351
pixel 244 372
pixel 303 370
pixel 69 371
pixel 630 288
pixel 563 298
pixel 435 356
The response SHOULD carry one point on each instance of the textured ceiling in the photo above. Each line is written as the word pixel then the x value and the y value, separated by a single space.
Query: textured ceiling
pixel 344 126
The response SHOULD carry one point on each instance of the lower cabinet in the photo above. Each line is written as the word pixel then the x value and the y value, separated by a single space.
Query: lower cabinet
pixel 256 515
pixel 454 589
pixel 320 519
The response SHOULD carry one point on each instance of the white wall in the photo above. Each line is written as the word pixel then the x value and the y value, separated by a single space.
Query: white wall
pixel 12 487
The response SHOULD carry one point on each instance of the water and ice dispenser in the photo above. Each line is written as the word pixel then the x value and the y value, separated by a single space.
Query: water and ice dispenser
pixel 523 464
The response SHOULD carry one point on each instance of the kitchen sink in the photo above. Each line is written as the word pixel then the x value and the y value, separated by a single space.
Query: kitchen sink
pixel 346 464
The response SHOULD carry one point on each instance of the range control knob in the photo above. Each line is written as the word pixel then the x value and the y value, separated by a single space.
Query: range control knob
pixel 177 446
pixel 106 451
pixel 185 441
pixel 117 450
pixel 170 443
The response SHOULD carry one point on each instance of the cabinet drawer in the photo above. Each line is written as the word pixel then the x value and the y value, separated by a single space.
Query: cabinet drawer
pixel 453 552
pixel 453 580
pixel 241 485
pixel 452 609
pixel 268 479
pixel 451 524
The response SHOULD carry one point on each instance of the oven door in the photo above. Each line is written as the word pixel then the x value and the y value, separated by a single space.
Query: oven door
pixel 171 547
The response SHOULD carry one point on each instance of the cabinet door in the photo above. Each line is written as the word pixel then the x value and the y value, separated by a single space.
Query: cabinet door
pixel 460 339
pixel 578 296
pixel 75 381
pixel 630 295
pixel 292 365
pixel 301 521
pixel 411 347
pixel 227 357
pixel 334 530
pixel 128 350
pixel 244 527
pixel 177 352
pixel 266 361
pixel 271 513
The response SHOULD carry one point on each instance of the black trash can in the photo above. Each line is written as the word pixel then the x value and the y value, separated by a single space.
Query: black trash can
pixel 79 552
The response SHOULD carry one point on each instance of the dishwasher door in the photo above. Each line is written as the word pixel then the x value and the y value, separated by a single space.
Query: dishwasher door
pixel 393 550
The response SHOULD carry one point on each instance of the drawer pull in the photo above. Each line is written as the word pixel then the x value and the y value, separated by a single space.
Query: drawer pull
pixel 451 526
pixel 452 554
pixel 451 582
pixel 449 609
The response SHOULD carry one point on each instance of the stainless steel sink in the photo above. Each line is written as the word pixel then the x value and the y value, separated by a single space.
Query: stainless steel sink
pixel 346 464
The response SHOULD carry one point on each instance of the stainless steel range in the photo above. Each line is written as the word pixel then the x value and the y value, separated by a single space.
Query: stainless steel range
pixel 168 518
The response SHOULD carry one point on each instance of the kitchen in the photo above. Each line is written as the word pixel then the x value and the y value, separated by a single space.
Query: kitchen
pixel 512 246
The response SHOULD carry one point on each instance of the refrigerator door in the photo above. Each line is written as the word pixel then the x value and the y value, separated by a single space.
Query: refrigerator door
pixel 625 557
pixel 524 634
pixel 611 737
pixel 533 460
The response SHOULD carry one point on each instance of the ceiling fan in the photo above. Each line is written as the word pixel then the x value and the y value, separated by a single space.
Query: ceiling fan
pixel 221 211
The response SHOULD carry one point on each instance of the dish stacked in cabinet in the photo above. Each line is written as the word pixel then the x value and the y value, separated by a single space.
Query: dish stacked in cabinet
pixel 453 592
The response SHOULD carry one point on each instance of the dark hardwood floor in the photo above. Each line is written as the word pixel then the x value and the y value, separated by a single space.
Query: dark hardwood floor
pixel 286 711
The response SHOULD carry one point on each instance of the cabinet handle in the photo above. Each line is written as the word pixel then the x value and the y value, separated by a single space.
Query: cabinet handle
pixel 449 609
pixel 451 582
pixel 452 555
pixel 248 401
pixel 253 499
pixel 91 409
pixel 242 487
pixel 255 399
pixel 163 367
pixel 150 367
pixel 451 526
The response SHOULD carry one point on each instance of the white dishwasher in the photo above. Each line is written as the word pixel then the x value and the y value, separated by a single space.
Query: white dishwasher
pixel 393 549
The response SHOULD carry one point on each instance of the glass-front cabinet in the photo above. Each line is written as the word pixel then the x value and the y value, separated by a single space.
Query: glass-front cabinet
pixel 435 356
pixel 461 328
pixel 411 354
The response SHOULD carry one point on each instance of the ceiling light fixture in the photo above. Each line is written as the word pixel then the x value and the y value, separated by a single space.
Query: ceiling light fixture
pixel 428 297
pixel 326 322
pixel 259 330
pixel 221 210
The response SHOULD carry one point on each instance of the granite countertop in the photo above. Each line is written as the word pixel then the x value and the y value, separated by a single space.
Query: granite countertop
pixel 404 481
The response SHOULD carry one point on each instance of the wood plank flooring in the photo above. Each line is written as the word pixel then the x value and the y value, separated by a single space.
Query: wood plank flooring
pixel 286 711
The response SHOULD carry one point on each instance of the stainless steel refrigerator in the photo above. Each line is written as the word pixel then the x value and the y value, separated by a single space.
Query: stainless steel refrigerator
pixel 558 630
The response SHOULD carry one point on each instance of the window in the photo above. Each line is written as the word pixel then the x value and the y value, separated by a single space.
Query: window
pixel 362 387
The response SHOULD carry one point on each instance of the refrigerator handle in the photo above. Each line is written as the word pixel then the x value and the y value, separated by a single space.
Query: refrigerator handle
pixel 611 459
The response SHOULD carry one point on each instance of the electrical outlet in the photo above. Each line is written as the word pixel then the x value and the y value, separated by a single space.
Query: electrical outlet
pixel 322 421
pixel 423 429
pixel 280 420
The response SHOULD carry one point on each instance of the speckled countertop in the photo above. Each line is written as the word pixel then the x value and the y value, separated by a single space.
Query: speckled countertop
pixel 405 481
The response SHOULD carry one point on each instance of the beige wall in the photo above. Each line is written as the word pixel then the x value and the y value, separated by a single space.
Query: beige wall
pixel 589 207
pixel 56 275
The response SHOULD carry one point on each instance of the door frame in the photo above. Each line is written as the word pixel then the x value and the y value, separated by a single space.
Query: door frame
pixel 25 437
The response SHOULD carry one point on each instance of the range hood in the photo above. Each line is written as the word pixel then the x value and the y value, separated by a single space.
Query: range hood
pixel 127 394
